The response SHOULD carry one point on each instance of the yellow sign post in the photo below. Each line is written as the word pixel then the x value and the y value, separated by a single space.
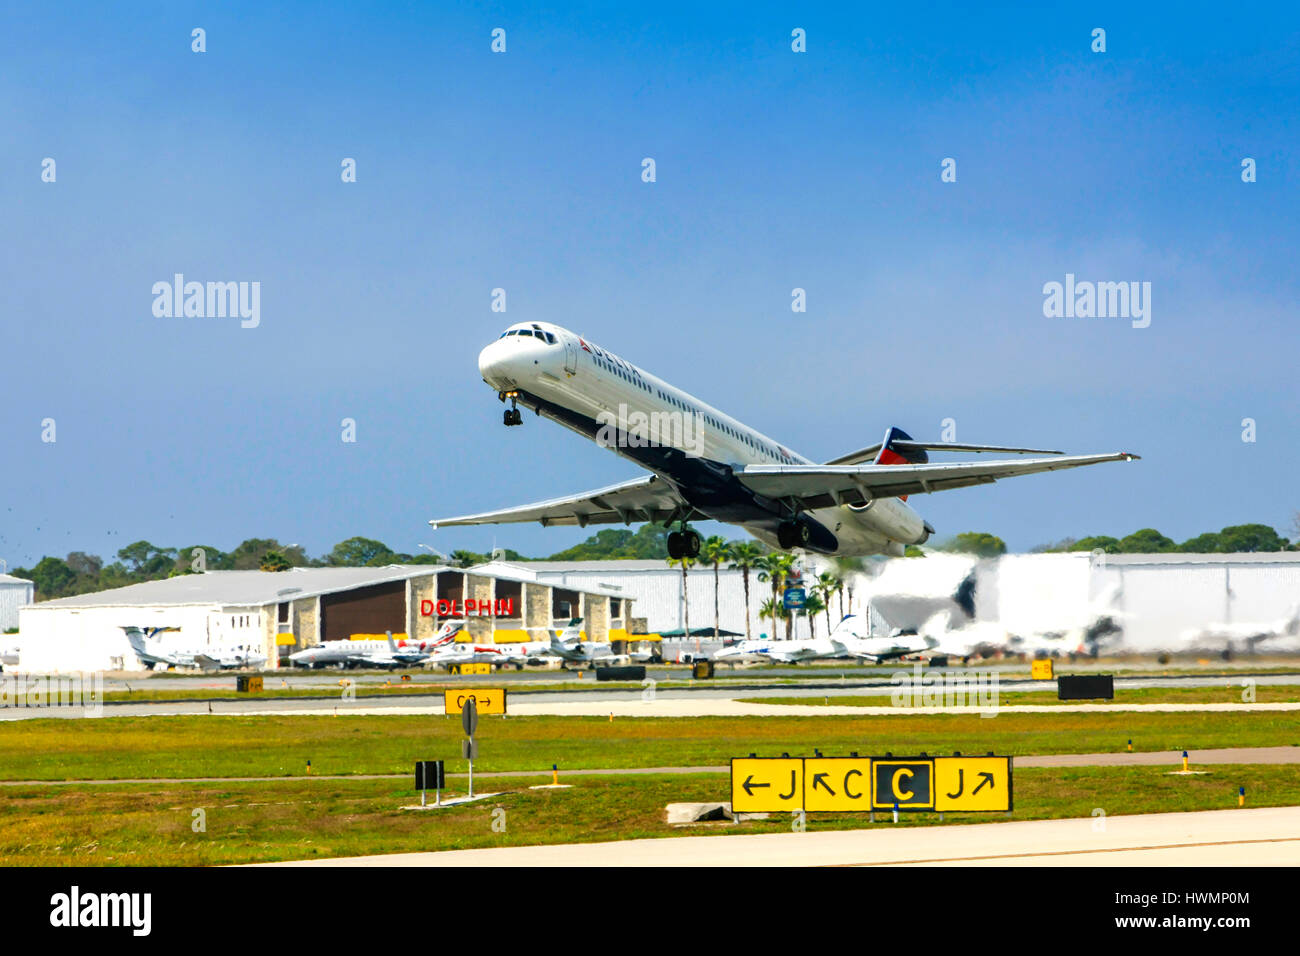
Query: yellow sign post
pixel 857 784
pixel 972 784
pixel 489 700
pixel 837 783
pixel 1041 669
pixel 766 784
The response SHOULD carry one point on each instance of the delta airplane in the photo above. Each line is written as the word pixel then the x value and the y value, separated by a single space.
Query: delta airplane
pixel 705 464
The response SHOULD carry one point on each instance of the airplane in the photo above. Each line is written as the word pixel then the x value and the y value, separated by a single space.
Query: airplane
pixel 10 654
pixel 705 464
pixel 855 638
pixel 1249 634
pixel 386 653
pixel 849 640
pixel 156 656
pixel 566 646
pixel 972 639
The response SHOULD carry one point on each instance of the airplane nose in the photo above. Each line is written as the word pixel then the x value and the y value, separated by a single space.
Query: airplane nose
pixel 499 364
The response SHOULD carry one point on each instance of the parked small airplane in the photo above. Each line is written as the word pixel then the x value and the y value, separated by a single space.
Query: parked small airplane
pixel 158 655
pixel 705 464
pixel 1247 635
pixel 849 640
pixel 385 653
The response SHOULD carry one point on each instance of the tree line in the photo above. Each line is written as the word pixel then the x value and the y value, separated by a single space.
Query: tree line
pixel 80 573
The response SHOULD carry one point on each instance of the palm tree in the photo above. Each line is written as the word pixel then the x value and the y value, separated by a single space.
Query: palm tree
pixel 714 551
pixel 846 567
pixel 773 608
pixel 813 606
pixel 685 564
pixel 827 584
pixel 777 566
pixel 747 556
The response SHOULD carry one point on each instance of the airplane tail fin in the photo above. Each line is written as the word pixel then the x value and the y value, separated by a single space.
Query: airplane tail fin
pixel 893 453
pixel 135 637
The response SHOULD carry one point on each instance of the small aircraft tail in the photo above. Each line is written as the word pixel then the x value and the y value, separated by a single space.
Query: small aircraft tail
pixel 571 633
pixel 135 637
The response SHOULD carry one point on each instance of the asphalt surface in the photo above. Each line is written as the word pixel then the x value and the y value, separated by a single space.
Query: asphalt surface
pixel 1268 836
pixel 586 697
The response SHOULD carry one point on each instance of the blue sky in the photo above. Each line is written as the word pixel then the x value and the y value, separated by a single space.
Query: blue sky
pixel 522 170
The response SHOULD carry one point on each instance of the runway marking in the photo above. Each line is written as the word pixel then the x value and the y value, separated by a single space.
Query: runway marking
pixel 1111 849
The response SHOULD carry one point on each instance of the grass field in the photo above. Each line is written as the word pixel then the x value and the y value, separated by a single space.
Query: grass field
pixel 277 746
pixel 127 824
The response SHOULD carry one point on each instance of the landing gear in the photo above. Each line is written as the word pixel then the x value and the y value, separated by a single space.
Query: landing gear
pixel 512 415
pixel 793 534
pixel 683 544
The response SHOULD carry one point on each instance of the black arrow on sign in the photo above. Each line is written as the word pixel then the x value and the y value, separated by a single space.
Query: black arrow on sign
pixel 750 786
pixel 820 779
pixel 985 778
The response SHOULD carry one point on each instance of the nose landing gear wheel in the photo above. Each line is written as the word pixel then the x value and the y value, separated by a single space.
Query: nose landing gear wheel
pixel 683 545
pixel 513 417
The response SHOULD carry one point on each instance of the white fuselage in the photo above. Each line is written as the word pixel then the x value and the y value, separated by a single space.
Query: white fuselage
pixel 600 395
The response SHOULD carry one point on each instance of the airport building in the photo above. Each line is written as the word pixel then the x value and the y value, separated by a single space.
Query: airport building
pixel 1160 602
pixel 15 593
pixel 656 588
pixel 281 612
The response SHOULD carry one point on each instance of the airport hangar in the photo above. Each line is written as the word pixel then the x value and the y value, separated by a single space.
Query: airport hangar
pixel 282 612
pixel 15 593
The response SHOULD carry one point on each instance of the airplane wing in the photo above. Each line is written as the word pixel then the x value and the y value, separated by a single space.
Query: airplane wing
pixel 649 498
pixel 900 444
pixel 822 486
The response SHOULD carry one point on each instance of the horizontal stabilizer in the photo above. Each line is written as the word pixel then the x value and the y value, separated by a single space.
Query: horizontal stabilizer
pixel 907 445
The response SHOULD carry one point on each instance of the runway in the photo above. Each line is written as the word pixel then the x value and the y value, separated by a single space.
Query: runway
pixel 1267 836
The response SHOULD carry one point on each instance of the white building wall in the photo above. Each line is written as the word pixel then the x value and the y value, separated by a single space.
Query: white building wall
pixel 72 640
pixel 15 593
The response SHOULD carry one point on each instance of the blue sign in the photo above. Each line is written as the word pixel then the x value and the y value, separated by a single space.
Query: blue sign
pixel 794 599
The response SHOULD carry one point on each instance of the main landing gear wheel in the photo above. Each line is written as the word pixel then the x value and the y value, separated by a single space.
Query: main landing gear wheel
pixel 683 545
pixel 793 534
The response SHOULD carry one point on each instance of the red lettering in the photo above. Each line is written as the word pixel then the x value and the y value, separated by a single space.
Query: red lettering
pixel 426 608
pixel 444 608
pixel 470 606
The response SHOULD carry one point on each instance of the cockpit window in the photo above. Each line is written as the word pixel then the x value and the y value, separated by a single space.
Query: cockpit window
pixel 527 332
pixel 550 338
